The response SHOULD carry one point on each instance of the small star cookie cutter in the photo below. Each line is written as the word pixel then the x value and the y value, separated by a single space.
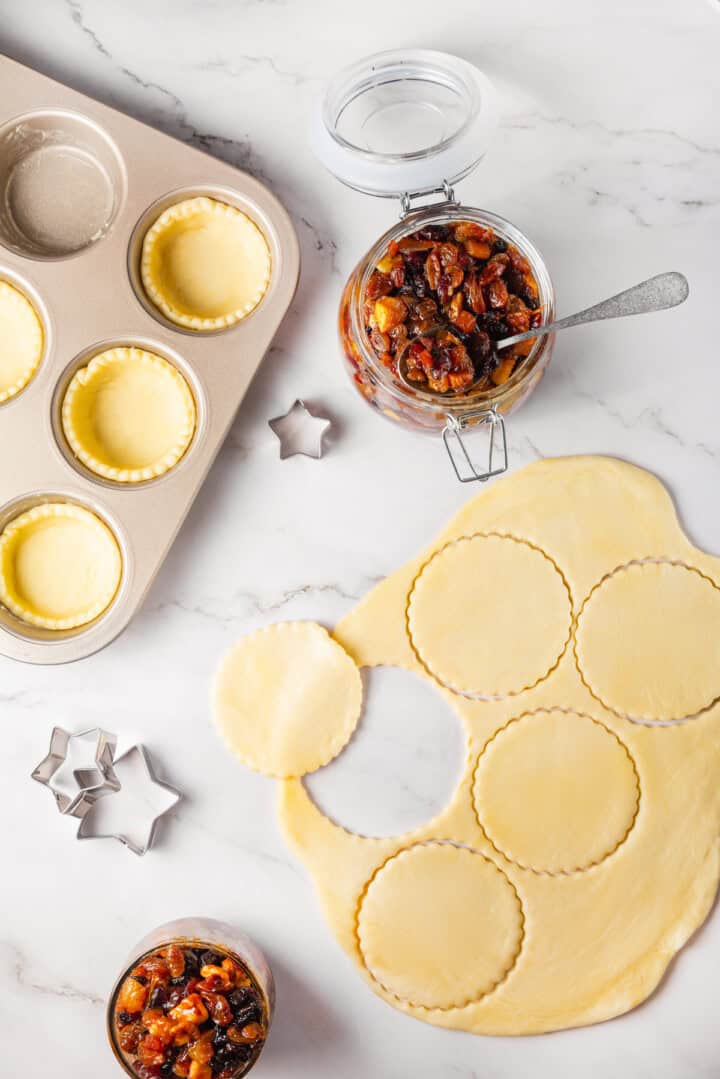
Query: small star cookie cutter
pixel 78 791
pixel 300 430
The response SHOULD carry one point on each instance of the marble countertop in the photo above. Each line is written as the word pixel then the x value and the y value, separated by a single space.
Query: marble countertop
pixel 608 156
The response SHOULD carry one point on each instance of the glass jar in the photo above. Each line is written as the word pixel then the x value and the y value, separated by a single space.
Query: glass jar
pixel 206 933
pixel 408 125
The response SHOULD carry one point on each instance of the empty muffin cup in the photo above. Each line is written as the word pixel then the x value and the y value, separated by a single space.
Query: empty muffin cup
pixel 22 341
pixel 129 415
pixel 61 183
pixel 60 566
pixel 205 265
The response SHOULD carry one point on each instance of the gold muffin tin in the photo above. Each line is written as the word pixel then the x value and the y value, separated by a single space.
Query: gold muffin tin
pixel 80 186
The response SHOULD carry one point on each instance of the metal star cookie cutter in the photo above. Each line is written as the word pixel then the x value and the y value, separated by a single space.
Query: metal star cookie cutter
pixel 88 828
pixel 300 430
pixel 92 784
pixel 89 783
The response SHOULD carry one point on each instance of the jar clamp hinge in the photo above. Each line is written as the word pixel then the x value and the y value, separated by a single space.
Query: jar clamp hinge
pixel 408 197
pixel 461 461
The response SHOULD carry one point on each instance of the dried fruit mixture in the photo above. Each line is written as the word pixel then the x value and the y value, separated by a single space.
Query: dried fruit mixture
pixel 441 297
pixel 189 1012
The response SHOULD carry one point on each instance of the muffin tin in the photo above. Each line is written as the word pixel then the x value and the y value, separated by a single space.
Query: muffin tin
pixel 80 185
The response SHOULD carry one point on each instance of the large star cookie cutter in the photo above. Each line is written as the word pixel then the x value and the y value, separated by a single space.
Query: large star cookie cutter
pixel 79 791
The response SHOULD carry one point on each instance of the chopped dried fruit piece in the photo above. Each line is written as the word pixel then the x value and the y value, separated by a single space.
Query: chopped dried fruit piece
pixel 390 311
pixel 175 958
pixel 477 249
pixel 465 321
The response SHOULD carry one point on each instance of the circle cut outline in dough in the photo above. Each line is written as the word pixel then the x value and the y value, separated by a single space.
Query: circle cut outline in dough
pixel 21 528
pixel 531 679
pixel 287 699
pixel 433 966
pixel 633 710
pixel 515 794
pixel 252 251
pixel 21 325
pixel 77 414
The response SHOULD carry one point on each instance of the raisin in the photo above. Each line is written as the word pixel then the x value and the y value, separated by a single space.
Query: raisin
pixel 129 1037
pixel 433 271
pixel 437 233
pixel 448 255
pixel 499 246
pixel 158 997
pixel 175 958
pixel 148 1071
pixel 474 293
pixel 494 325
pixel 123 1018
pixel 497 293
pixel 468 230
pixel 493 269
pixel 378 285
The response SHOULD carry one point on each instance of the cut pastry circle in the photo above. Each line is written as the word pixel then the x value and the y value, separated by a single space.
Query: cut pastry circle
pixel 489 615
pixel 439 926
pixel 129 415
pixel 648 641
pixel 205 265
pixel 287 699
pixel 580 792
pixel 22 341
pixel 60 566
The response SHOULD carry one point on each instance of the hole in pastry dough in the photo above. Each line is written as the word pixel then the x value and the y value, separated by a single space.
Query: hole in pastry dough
pixel 489 615
pixel 60 566
pixel 287 699
pixel 129 415
pixel 648 641
pixel 205 264
pixel 439 926
pixel 21 341
pixel 556 792
pixel 403 762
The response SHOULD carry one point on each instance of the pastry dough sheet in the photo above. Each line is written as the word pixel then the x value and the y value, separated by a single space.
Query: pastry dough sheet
pixel 604 827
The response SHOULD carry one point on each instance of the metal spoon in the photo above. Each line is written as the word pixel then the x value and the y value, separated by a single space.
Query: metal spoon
pixel 656 294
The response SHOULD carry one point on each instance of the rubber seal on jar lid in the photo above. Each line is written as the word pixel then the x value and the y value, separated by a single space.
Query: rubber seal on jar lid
pixel 404 122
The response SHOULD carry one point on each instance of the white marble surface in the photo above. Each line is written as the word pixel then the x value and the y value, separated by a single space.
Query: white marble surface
pixel 609 157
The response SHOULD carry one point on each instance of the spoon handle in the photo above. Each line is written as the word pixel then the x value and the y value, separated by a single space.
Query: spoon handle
pixel 655 294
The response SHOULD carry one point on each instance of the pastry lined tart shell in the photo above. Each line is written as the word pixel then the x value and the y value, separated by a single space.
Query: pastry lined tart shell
pixel 21 341
pixel 129 415
pixel 60 566
pixel 205 265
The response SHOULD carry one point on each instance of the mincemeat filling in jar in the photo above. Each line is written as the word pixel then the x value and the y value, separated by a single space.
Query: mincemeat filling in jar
pixel 189 1012
pixel 441 298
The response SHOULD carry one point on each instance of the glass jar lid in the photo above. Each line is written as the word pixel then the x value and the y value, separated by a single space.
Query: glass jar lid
pixel 404 122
